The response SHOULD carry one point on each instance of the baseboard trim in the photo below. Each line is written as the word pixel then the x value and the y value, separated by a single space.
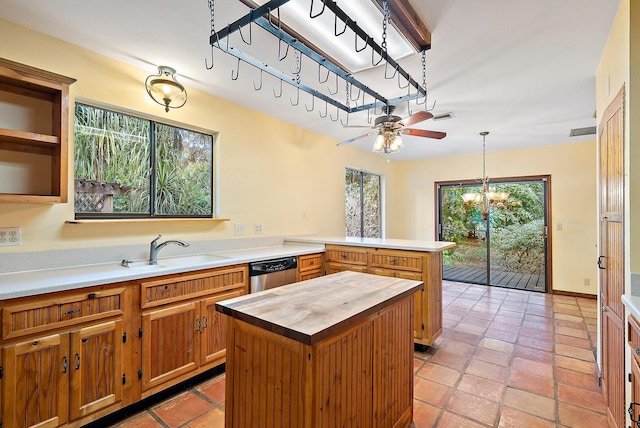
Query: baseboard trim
pixel 574 294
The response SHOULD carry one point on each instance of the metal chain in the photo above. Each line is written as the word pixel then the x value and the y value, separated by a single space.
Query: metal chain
pixel 385 22
pixel 213 16
pixel 424 76
pixel 347 92
pixel 297 52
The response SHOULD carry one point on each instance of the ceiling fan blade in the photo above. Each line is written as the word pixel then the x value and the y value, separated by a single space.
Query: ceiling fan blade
pixel 423 133
pixel 356 138
pixel 415 118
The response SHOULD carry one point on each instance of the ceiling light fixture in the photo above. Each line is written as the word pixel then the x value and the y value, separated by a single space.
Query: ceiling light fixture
pixel 164 89
pixel 484 200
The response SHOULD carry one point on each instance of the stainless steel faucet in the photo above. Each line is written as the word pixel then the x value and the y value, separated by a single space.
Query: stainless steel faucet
pixel 155 247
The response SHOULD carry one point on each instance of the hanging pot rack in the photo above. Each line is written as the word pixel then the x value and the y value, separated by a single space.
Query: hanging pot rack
pixel 263 17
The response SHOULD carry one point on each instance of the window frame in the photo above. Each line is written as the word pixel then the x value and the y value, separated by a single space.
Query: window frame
pixel 152 215
pixel 381 200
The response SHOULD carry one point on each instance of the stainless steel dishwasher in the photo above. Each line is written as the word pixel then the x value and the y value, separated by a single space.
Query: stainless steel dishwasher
pixel 272 273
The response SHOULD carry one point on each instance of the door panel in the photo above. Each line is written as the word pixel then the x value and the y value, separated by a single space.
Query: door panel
pixel 96 368
pixel 611 258
pixel 214 329
pixel 36 383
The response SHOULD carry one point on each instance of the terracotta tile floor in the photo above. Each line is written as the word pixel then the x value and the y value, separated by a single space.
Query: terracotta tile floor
pixel 506 358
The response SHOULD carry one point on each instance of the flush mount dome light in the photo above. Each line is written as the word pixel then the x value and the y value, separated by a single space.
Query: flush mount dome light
pixel 165 90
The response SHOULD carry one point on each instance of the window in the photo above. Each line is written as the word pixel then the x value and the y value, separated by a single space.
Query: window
pixel 133 167
pixel 363 208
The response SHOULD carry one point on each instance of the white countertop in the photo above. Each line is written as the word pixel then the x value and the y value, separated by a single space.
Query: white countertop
pixel 632 303
pixel 29 283
pixel 396 244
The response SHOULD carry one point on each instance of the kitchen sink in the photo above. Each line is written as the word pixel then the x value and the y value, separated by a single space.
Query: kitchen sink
pixel 178 261
pixel 197 259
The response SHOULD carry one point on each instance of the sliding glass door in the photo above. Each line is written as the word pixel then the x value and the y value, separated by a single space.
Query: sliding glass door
pixel 510 247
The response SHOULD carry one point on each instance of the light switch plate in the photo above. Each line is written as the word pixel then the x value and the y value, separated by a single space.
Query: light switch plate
pixel 238 228
pixel 9 236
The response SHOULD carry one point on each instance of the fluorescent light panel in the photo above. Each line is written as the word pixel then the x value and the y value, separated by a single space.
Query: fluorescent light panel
pixel 320 31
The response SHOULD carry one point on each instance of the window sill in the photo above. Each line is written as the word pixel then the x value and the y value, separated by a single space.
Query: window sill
pixel 145 220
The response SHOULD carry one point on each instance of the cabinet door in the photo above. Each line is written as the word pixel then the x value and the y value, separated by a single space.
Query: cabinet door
pixel 96 368
pixel 214 329
pixel 36 382
pixel 635 388
pixel 169 343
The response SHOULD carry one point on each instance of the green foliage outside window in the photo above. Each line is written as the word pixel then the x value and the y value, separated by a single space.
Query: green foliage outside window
pixel 148 168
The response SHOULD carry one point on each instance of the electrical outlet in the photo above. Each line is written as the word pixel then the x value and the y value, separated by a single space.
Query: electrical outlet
pixel 257 228
pixel 10 236
pixel 587 282
pixel 238 228
pixel 559 226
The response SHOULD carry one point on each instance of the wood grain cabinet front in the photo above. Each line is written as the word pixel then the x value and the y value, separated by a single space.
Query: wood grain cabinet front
pixel 63 376
pixel 182 334
pixel 310 266
pixel 417 265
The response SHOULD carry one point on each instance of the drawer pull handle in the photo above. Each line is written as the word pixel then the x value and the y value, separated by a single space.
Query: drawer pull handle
pixel 72 311
pixel 65 364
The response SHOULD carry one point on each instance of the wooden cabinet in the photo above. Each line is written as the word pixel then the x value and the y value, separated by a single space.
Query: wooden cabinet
pixel 182 335
pixel 34 117
pixel 63 357
pixel 416 265
pixel 310 266
pixel 633 330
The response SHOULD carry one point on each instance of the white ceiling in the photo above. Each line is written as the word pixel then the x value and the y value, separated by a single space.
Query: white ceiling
pixel 522 69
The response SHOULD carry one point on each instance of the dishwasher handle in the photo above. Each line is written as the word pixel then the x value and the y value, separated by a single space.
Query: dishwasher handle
pixel 275 265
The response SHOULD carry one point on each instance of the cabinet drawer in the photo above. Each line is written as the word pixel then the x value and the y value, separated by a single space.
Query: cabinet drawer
pixel 416 276
pixel 402 260
pixel 343 254
pixel 309 262
pixel 191 285
pixel 61 310
pixel 634 336
pixel 339 267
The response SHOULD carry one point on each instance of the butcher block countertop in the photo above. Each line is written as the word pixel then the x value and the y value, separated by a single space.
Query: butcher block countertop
pixel 313 310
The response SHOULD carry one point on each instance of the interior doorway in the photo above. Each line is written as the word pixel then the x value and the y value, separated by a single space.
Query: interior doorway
pixel 510 248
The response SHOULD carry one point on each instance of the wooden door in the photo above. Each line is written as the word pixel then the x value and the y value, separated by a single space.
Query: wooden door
pixel 214 329
pixel 96 368
pixel 36 382
pixel 611 258
pixel 169 343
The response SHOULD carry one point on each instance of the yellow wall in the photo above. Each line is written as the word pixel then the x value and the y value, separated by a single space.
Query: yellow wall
pixel 286 178
pixel 573 204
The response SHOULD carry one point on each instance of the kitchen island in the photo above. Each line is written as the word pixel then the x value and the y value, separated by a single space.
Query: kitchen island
pixel 331 351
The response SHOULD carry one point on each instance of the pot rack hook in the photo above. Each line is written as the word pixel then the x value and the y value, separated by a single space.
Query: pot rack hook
pixel 257 88
pixel 335 26
pixel 320 80
pixel 313 104
pixel 250 33
pixel 337 115
pixel 280 56
pixel 237 71
pixel 274 91
pixel 325 110
pixel 369 113
pixel 206 64
pixel 357 96
pixel 409 111
pixel 366 43
pixel 311 15
pixel 405 86
pixel 336 91
pixel 386 73
pixel 297 98
pixel 373 54
pixel 279 26
pixel 345 123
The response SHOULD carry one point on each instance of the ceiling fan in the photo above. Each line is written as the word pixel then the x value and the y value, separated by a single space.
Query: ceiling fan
pixel 390 128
